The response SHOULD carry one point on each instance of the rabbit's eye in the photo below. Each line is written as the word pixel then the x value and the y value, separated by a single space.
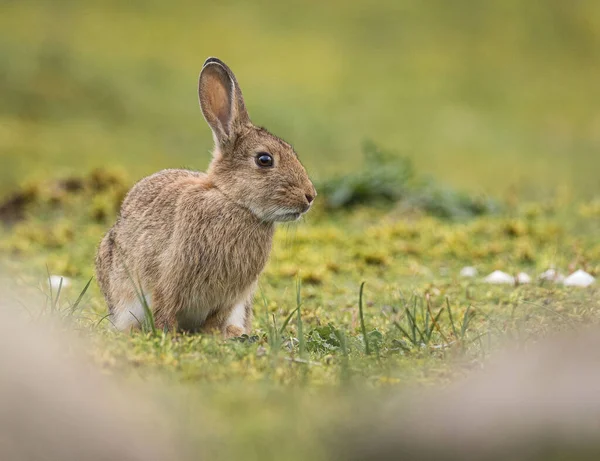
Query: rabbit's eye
pixel 264 160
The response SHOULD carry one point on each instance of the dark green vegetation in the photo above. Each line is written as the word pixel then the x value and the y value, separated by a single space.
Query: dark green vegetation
pixel 387 178
pixel 465 102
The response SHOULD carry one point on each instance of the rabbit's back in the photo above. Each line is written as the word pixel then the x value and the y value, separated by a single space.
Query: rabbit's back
pixel 142 230
pixel 137 203
pixel 148 217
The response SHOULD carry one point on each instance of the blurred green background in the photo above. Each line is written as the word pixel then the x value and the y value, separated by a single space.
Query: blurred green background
pixel 498 96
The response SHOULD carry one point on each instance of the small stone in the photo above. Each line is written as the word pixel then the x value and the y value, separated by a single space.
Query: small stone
pixel 579 279
pixel 499 278
pixel 468 271
pixel 55 282
pixel 523 278
pixel 552 275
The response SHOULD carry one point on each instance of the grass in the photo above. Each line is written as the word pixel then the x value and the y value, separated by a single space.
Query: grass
pixel 486 132
pixel 362 319
pixel 353 302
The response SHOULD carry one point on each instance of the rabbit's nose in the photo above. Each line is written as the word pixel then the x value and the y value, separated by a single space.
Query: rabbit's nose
pixel 309 198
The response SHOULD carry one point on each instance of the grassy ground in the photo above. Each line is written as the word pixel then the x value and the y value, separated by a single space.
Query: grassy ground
pixel 499 97
pixel 305 370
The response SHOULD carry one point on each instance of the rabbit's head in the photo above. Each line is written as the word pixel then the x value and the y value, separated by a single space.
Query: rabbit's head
pixel 250 166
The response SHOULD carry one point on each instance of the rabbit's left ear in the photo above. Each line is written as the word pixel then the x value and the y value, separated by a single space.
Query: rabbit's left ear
pixel 221 100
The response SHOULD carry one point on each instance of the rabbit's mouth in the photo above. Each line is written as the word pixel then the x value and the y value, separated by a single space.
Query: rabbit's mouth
pixel 281 214
pixel 284 217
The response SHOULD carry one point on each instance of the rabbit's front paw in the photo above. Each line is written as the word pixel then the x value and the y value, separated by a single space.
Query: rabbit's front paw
pixel 233 331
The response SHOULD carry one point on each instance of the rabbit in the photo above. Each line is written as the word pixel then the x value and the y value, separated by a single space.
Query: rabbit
pixel 192 245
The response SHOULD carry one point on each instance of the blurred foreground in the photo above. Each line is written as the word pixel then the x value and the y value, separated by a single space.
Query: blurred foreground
pixel 537 404
pixel 55 406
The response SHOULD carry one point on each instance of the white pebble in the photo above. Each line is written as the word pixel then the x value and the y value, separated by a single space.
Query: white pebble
pixel 579 279
pixel 523 278
pixel 54 282
pixel 552 275
pixel 499 277
pixel 468 271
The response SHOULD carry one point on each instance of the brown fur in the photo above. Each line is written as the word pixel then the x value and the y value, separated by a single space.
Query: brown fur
pixel 196 243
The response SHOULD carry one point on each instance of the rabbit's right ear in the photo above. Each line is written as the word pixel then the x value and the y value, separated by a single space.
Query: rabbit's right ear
pixel 221 100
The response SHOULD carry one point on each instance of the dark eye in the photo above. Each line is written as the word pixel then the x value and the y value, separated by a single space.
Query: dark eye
pixel 264 160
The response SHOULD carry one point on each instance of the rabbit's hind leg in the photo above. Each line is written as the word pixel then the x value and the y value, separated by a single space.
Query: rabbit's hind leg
pixel 236 321
pixel 228 322
pixel 165 309
pixel 129 313
pixel 239 320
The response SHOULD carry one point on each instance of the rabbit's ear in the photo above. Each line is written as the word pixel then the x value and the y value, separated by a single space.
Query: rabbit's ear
pixel 221 100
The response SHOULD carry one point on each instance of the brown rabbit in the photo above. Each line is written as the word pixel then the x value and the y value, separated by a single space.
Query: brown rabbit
pixel 193 244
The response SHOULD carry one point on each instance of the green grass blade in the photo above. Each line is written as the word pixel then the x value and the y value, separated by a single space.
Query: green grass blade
pixel 300 330
pixel 413 322
pixel 286 321
pixel 345 366
pixel 149 323
pixel 465 322
pixel 81 295
pixel 437 317
pixel 275 337
pixel 454 331
pixel 266 304
pixel 50 285
pixel 405 333
pixel 54 304
pixel 427 329
pixel 362 319
pixel 104 317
